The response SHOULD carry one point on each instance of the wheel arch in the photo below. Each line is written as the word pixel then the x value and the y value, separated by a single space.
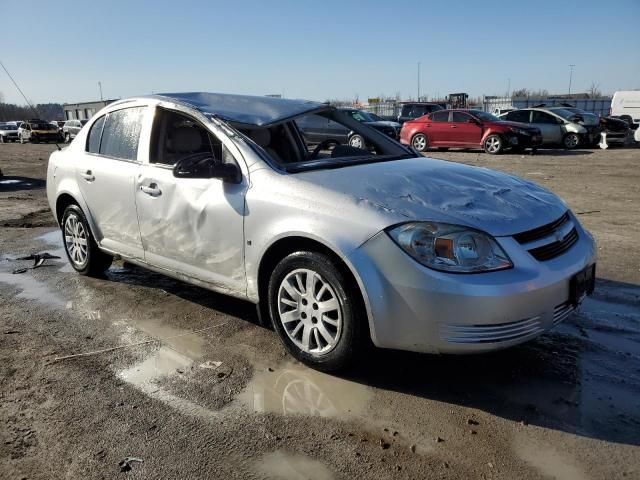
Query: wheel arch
pixel 66 198
pixel 286 245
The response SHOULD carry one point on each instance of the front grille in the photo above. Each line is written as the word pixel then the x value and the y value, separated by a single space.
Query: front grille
pixel 496 333
pixel 562 311
pixel 553 249
pixel 541 232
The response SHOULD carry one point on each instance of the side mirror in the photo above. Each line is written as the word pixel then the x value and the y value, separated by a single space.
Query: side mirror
pixel 205 166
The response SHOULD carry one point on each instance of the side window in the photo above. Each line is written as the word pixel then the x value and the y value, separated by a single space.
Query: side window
pixel 542 117
pixel 419 110
pixel 176 136
pixel 521 116
pixel 460 117
pixel 440 116
pixel 406 110
pixel 93 144
pixel 121 133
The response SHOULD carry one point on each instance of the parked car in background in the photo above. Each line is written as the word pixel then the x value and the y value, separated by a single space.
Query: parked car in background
pixel 558 126
pixel 58 124
pixel 36 131
pixel 334 246
pixel 8 133
pixel 316 129
pixel 468 129
pixel 413 110
pixel 626 106
pixel 617 130
pixel 71 128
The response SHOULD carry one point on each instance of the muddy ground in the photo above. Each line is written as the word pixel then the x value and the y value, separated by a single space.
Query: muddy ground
pixel 203 391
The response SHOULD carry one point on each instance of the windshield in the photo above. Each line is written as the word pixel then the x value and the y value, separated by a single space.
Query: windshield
pixel 41 126
pixel 487 117
pixel 327 139
pixel 564 113
pixel 360 115
pixel 8 127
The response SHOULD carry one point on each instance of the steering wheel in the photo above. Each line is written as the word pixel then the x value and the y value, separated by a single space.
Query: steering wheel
pixel 321 146
pixel 191 163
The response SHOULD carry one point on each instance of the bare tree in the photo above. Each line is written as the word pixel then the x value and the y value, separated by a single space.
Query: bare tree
pixel 1 97
pixel 594 90
pixel 521 92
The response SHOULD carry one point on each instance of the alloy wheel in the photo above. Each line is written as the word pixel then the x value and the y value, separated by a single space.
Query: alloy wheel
pixel 571 140
pixel 420 142
pixel 493 144
pixel 356 141
pixel 75 240
pixel 309 311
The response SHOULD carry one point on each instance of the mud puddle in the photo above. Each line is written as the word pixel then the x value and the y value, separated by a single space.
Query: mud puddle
pixel 31 288
pixel 291 466
pixel 294 389
pixel 54 239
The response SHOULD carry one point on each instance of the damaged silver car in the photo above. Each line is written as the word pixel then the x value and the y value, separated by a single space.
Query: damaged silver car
pixel 335 244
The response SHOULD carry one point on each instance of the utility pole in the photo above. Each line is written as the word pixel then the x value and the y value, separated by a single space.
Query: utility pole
pixel 418 81
pixel 570 76
pixel 100 86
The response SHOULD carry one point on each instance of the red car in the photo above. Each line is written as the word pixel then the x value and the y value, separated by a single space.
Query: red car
pixel 468 129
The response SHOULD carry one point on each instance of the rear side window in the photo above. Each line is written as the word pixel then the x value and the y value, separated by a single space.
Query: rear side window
pixel 121 133
pixel 93 145
pixel 542 117
pixel 439 117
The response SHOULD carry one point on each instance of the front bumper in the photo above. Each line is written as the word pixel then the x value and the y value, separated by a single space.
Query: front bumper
pixel 411 307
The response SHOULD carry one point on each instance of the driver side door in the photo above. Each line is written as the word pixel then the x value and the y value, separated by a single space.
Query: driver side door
pixel 191 226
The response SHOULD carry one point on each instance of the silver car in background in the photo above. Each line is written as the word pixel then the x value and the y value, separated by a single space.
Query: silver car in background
pixel 558 125
pixel 334 244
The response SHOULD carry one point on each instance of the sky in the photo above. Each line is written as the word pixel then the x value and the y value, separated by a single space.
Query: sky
pixel 317 50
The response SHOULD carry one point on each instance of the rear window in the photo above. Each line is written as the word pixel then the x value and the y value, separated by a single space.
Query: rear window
pixel 519 116
pixel 121 133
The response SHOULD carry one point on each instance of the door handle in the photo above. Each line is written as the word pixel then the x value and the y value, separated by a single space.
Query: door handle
pixel 88 176
pixel 454 126
pixel 152 190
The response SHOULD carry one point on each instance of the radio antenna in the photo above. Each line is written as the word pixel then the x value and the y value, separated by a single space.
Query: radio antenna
pixel 24 96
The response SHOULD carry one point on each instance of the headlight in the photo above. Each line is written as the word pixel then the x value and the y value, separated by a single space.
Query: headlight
pixel 519 131
pixel 450 248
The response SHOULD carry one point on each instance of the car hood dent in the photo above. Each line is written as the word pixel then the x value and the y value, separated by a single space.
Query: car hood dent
pixel 423 189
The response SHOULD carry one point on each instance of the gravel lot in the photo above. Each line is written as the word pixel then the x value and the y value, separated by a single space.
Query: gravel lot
pixel 218 397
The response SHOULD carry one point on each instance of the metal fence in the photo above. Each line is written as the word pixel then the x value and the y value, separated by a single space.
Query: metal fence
pixel 600 106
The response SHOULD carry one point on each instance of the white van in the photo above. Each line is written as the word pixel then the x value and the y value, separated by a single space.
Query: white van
pixel 626 105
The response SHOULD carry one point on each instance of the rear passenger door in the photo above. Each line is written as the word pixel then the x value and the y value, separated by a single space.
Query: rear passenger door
pixel 548 125
pixel 438 130
pixel 106 177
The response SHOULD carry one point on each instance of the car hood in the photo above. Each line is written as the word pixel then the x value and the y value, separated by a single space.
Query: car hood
pixel 437 190
pixel 524 126
pixel 383 123
pixel 589 119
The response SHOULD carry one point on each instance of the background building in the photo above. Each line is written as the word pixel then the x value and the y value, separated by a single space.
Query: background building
pixel 84 110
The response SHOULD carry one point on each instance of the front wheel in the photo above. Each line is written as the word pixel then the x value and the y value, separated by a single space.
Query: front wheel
pixel 571 140
pixel 493 144
pixel 67 138
pixel 420 142
pixel 313 310
pixel 82 251
pixel 21 140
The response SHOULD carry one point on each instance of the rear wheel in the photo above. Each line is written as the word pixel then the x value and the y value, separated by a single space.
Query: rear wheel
pixel 357 141
pixel 493 144
pixel 571 140
pixel 420 142
pixel 82 251
pixel 313 310
pixel 67 137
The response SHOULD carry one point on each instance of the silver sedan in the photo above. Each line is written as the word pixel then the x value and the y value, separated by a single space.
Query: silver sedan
pixel 334 244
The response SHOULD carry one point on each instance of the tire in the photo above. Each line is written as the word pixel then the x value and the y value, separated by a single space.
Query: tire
pixel 67 138
pixel 89 260
pixel 291 298
pixel 21 140
pixel 420 142
pixel 571 141
pixel 356 141
pixel 493 144
pixel 627 119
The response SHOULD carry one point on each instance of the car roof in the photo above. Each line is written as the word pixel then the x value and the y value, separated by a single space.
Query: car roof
pixel 245 109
